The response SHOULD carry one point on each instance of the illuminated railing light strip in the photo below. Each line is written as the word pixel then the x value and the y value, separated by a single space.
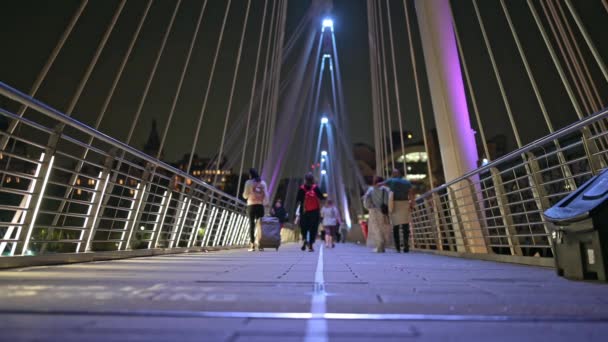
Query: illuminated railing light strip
pixel 37 207
pixel 102 194
pixel 86 219
pixel 209 228
pixel 184 217
pixel 194 230
pixel 219 228
pixel 177 225
pixel 129 214
pixel 159 225
pixel 139 203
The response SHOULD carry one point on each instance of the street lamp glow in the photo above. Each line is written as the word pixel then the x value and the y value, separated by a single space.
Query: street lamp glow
pixel 322 160
pixel 323 172
pixel 323 153
pixel 328 23
pixel 324 120
pixel 326 55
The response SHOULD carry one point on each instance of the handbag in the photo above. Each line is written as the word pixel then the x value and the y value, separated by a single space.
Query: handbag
pixel 384 205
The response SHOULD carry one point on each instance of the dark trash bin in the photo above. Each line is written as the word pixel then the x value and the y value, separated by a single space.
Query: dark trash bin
pixel 579 231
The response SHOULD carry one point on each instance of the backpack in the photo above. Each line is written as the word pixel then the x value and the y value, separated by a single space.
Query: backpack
pixel 311 201
pixel 258 192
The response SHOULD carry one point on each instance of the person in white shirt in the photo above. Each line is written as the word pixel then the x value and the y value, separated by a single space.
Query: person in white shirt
pixel 256 194
pixel 331 222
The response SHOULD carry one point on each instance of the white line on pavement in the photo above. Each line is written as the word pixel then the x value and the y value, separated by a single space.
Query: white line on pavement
pixel 316 329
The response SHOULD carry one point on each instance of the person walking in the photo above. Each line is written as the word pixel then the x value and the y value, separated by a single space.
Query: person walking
pixel 309 201
pixel 376 197
pixel 403 200
pixel 331 222
pixel 256 194
pixel 279 212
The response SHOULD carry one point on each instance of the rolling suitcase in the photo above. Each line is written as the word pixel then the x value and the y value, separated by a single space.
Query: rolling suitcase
pixel 269 233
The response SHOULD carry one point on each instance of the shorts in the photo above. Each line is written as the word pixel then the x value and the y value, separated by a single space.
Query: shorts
pixel 331 230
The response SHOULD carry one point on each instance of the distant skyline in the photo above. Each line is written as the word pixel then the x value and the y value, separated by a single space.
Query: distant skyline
pixel 31 29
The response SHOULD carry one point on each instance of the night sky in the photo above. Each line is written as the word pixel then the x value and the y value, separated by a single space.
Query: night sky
pixel 30 29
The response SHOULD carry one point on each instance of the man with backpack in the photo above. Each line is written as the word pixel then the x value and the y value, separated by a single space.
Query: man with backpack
pixel 309 200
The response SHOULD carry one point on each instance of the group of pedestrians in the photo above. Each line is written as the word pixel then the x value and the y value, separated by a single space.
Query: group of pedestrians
pixel 308 216
pixel 389 203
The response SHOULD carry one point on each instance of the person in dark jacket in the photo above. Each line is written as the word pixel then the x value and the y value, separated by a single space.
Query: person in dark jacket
pixel 279 212
pixel 309 202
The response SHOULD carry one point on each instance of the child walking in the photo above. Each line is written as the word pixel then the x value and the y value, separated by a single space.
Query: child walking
pixel 331 222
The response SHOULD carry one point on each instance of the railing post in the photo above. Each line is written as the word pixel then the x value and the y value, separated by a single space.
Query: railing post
pixel 160 219
pixel 181 202
pixel 461 241
pixel 596 163
pixel 41 177
pixel 505 212
pixel 435 208
pixel 88 230
pixel 538 190
pixel 183 220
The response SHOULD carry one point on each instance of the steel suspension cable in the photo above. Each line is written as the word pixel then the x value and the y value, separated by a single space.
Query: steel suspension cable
pixel 556 62
pixel 581 59
pixel 45 69
pixel 565 169
pixel 372 67
pixel 269 96
pixel 567 62
pixel 396 84
pixel 275 94
pixel 234 78
pixel 381 91
pixel 159 54
pixel 93 63
pixel 418 97
pixel 261 110
pixel 497 74
pixel 207 90
pixel 251 98
pixel 561 36
pixel 182 76
pixel 386 87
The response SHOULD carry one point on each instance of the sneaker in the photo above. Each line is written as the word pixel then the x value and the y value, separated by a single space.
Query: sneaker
pixel 251 247
pixel 303 247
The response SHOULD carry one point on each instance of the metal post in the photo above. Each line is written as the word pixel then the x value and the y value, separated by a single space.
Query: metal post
pixel 24 232
pixel 505 212
pixel 459 230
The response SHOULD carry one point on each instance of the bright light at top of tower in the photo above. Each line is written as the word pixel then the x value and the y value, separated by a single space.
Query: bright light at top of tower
pixel 328 23
pixel 324 120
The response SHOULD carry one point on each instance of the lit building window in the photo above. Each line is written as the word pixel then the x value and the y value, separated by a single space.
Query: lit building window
pixel 18 180
pixel 121 182
pixel 8 180
pixel 188 181
pixel 77 181
pixel 78 192
pixel 413 157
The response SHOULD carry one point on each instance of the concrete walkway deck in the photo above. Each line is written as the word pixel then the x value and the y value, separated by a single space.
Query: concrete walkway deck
pixel 353 294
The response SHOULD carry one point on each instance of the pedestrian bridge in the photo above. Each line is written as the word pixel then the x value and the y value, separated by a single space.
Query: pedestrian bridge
pixel 103 239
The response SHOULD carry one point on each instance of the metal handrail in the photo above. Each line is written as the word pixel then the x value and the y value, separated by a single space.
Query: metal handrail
pixel 112 201
pixel 573 128
pixel 43 108
pixel 498 208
